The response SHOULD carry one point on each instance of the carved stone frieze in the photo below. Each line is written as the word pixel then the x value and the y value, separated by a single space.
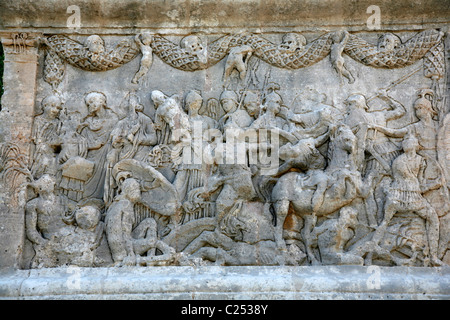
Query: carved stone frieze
pixel 238 149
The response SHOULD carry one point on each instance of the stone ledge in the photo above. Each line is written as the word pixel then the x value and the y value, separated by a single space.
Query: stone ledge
pixel 264 283
pixel 224 15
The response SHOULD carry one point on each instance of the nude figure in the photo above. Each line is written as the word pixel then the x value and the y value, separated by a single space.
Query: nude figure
pixel 237 59
pixel 337 60
pixel 128 244
pixel 144 40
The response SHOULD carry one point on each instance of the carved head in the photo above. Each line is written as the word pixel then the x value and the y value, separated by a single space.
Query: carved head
pixel 193 45
pixel 388 42
pixel 423 106
pixel 357 101
pixel 95 101
pixel 252 103
pixel 337 36
pixel 273 102
pixel 158 98
pixel 87 217
pixel 131 189
pixel 229 101
pixel 134 104
pixel 346 138
pixel 51 106
pixel 193 101
pixel 45 184
pixel 146 38
pixel 410 143
pixel 293 41
pixel 95 44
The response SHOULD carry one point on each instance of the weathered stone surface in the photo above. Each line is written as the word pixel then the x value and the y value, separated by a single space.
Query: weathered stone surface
pixel 203 134
pixel 234 283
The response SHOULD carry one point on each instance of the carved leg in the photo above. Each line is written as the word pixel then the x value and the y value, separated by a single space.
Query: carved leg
pixel 281 210
pixel 432 227
pixel 206 237
pixel 146 236
pixel 309 223
pixel 347 74
pixel 242 71
pixel 389 211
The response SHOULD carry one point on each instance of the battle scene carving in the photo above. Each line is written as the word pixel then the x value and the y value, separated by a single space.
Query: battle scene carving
pixel 155 150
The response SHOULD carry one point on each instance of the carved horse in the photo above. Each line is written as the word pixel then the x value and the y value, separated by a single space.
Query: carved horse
pixel 316 192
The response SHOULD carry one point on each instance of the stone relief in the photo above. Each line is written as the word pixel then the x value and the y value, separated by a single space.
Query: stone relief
pixel 342 182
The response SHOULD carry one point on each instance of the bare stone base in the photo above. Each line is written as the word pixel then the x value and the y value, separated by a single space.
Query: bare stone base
pixel 264 283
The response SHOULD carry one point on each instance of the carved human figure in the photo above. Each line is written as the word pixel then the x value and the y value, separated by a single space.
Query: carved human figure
pixel 426 132
pixel 405 195
pixel 46 138
pixel 75 170
pixel 337 60
pixel 317 192
pixel 332 236
pixel 311 123
pixel 132 138
pixel 96 129
pixel 237 60
pixel 232 181
pixel 128 243
pixel 360 119
pixel 78 245
pixel 381 149
pixel 229 101
pixel 302 155
pixel 43 220
pixel 244 114
pixel 270 116
pixel 144 41
pixel 227 244
pixel 169 112
pixel 235 184
pixel 252 104
pixel 138 131
pixel 193 104
pixel 191 171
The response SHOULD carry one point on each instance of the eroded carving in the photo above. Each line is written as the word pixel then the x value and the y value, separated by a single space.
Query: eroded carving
pixel 182 177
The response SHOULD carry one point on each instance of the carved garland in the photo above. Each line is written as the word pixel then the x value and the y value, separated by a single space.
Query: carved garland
pixel 427 44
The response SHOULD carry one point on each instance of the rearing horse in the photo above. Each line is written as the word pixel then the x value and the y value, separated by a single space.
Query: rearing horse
pixel 319 192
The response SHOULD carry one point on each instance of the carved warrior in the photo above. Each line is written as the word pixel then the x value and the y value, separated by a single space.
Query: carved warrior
pixel 405 194
pixel 113 187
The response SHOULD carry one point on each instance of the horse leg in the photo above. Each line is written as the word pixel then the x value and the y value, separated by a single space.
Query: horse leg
pixel 309 223
pixel 281 210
